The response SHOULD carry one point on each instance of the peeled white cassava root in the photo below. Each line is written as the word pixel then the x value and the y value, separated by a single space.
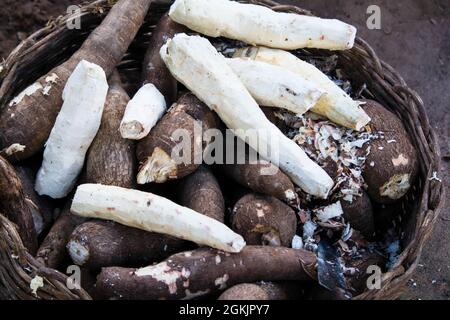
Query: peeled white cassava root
pixel 75 128
pixel 259 25
pixel 142 113
pixel 153 213
pixel 335 105
pixel 194 62
pixel 273 86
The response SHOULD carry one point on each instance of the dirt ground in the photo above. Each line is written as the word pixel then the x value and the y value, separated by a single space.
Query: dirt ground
pixel 414 38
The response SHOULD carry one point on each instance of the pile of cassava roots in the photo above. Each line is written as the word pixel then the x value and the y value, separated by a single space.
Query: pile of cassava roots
pixel 243 166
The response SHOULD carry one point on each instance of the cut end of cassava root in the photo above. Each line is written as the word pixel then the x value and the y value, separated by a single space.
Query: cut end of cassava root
pixel 153 213
pixel 142 113
pixel 159 167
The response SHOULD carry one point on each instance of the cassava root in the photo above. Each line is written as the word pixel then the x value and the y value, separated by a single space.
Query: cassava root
pixel 205 271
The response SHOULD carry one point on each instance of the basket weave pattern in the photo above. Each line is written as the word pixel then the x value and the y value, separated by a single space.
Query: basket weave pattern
pixel 54 43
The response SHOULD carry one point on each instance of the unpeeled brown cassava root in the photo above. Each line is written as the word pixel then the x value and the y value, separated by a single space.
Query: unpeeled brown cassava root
pixel 75 128
pixel 98 244
pixel 52 251
pixel 260 25
pixel 188 119
pixel 36 108
pixel 264 291
pixel 15 206
pixel 263 177
pixel 392 164
pixel 153 69
pixel 196 63
pixel 264 220
pixel 153 213
pixel 111 160
pixel 335 104
pixel 201 192
pixel 204 271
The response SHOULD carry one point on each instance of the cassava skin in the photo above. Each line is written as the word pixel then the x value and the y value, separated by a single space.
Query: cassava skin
pixel 111 160
pixel 201 192
pixel 29 120
pixel 253 176
pixel 42 208
pixel 154 152
pixel 15 206
pixel 154 70
pixel 265 220
pixel 204 271
pixel 394 158
pixel 52 251
pixel 97 244
pixel 359 213
pixel 263 291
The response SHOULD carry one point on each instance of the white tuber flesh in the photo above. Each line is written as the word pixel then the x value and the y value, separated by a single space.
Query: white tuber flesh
pixel 142 113
pixel 193 61
pixel 76 126
pixel 273 86
pixel 335 105
pixel 258 25
pixel 153 213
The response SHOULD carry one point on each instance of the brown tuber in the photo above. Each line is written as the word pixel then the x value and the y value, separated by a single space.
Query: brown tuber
pixel 111 160
pixel 359 213
pixel 52 251
pixel 264 220
pixel 97 244
pixel 35 109
pixel 201 192
pixel 392 165
pixel 155 151
pixel 263 291
pixel 14 205
pixel 154 70
pixel 263 177
pixel 205 271
pixel 42 208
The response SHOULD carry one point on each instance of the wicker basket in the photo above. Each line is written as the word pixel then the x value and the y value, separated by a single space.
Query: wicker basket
pixel 54 43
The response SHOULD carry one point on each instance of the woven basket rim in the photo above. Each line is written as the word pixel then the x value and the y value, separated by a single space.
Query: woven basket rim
pixel 432 194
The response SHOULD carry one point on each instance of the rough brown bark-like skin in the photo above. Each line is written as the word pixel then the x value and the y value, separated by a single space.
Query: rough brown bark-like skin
pixel 111 160
pixel 113 244
pixel 15 206
pixel 204 271
pixel 263 291
pixel 30 121
pixel 183 115
pixel 40 205
pixel 263 219
pixel 251 175
pixel 360 215
pixel 52 251
pixel 154 69
pixel 395 158
pixel 201 192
